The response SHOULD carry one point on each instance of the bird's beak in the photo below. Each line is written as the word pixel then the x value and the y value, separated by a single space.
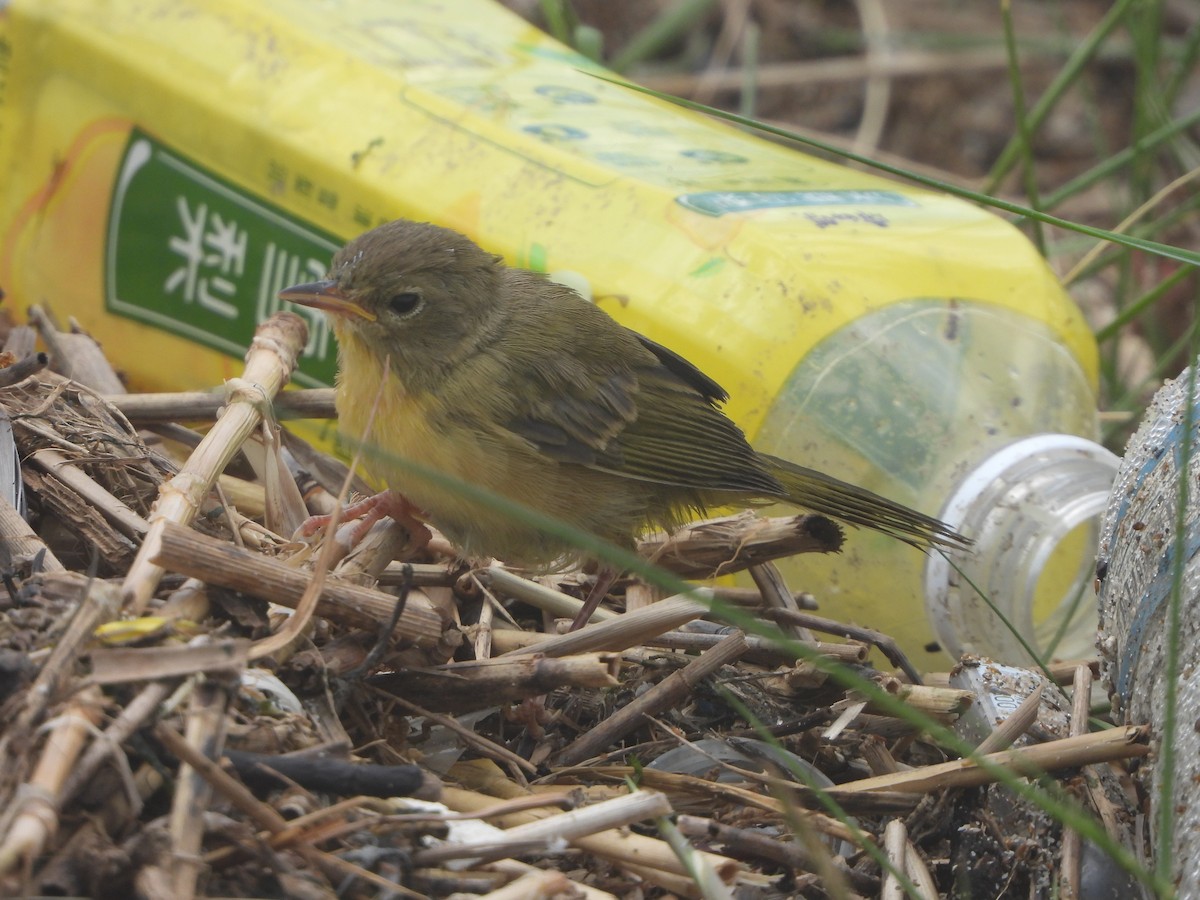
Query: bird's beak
pixel 327 296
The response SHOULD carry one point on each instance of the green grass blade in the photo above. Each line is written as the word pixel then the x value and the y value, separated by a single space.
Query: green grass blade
pixel 1080 56
pixel 1024 126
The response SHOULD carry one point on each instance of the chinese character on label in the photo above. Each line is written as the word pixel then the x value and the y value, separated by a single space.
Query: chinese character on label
pixel 217 254
pixel 214 255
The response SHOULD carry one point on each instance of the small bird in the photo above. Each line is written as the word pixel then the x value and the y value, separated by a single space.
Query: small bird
pixel 502 378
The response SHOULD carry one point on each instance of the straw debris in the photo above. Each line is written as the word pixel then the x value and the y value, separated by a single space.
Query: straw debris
pixel 194 703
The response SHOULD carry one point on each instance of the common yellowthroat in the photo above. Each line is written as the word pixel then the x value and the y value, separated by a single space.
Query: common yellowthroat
pixel 505 379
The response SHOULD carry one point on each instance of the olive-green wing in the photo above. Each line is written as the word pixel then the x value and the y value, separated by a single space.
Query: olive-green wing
pixel 681 437
pixel 572 420
pixel 626 405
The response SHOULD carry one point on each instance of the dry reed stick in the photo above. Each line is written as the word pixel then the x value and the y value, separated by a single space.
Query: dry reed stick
pixel 895 841
pixel 219 562
pixel 945 704
pixel 147 409
pixel 732 543
pixel 272 357
pixel 877 756
pixel 23 368
pixel 668 693
pixel 919 874
pixel 616 845
pixel 1015 724
pixel 515 867
pixel 133 716
pixel 750 597
pixel 536 885
pixel 556 603
pixel 626 630
pixel 246 497
pixel 461 687
pixel 20 545
pixel 1116 743
pixel 775 595
pixel 760 649
pixel 33 820
pixel 203 655
pixel 1064 672
pixel 1072 842
pixel 886 643
pixel 672 783
pixel 550 832
pixel 763 651
pixel 205 733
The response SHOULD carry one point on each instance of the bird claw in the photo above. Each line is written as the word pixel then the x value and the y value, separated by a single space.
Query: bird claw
pixel 370 510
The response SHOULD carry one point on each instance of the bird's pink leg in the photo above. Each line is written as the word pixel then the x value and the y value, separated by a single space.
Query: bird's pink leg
pixel 369 511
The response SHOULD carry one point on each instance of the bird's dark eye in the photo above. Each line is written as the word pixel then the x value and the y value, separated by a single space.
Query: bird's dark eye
pixel 404 304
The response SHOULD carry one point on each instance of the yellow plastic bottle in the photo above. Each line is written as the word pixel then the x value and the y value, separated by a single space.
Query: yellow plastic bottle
pixel 172 165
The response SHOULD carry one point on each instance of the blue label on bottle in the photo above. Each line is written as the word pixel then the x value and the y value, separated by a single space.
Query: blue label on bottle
pixel 718 203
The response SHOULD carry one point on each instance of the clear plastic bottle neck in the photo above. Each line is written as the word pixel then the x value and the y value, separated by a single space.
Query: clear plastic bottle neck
pixel 1033 510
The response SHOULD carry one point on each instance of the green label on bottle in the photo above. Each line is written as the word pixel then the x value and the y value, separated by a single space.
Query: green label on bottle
pixel 196 256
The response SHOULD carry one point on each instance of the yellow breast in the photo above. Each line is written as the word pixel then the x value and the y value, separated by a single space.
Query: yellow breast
pixel 395 427
pixel 411 434
pixel 406 435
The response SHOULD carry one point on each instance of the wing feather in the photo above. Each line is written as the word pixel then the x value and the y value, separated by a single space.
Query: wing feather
pixel 616 401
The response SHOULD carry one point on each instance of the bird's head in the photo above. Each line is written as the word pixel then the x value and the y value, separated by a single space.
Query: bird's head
pixel 413 291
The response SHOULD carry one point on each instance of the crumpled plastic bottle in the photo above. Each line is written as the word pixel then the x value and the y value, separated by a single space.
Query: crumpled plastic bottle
pixel 1142 551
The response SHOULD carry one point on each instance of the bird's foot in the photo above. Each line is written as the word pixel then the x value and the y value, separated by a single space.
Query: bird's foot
pixel 369 511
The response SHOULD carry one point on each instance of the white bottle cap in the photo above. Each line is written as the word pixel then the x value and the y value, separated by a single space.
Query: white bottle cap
pixel 1018 506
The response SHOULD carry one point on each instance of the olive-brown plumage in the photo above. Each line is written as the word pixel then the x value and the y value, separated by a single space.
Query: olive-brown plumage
pixel 505 379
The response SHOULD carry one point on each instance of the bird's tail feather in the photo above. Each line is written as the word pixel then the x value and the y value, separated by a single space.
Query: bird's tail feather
pixel 827 495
